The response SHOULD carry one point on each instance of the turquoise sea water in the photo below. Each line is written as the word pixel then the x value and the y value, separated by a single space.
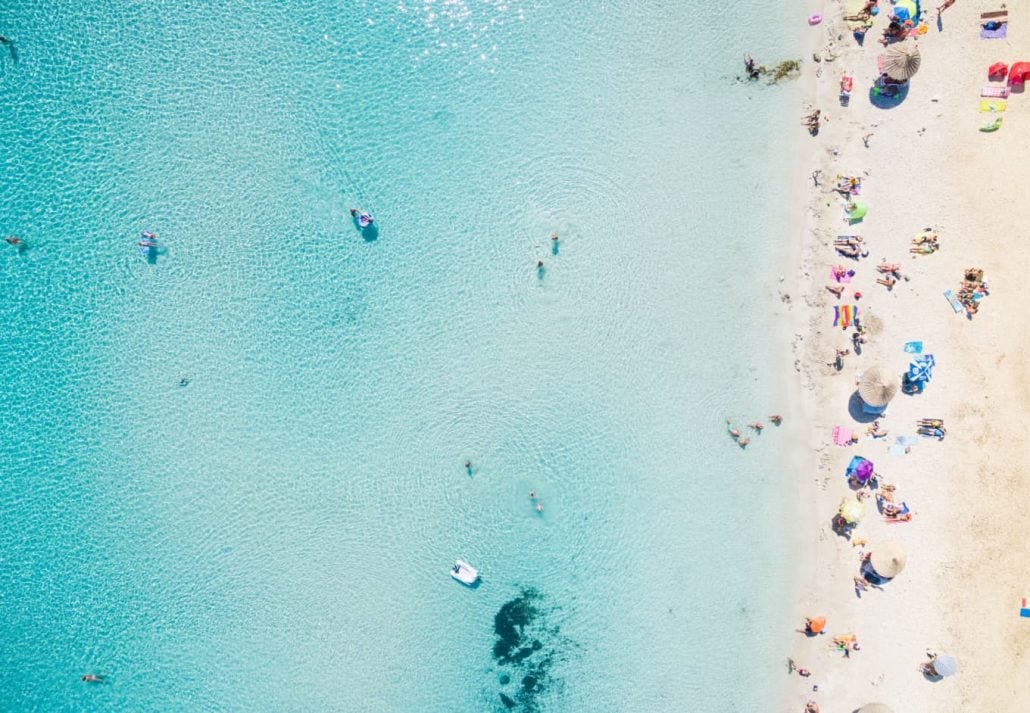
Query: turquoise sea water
pixel 233 474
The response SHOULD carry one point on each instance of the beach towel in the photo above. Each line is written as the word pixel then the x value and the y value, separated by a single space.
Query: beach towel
pixel 842 436
pixel 990 90
pixel 1024 610
pixel 995 105
pixel 956 303
pixel 844 315
pixel 897 449
pixel 913 347
pixel 841 275
pixel 999 30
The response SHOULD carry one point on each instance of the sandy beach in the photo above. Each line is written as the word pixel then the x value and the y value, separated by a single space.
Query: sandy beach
pixel 923 164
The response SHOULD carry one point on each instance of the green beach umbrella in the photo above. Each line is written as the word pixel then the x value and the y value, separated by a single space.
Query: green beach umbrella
pixel 852 509
pixel 901 61
pixel 857 211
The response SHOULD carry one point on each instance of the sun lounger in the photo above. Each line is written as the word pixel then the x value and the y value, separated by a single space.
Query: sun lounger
pixel 989 90
pixel 993 105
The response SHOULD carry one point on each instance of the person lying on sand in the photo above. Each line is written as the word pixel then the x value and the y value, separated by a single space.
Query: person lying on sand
pixel 888 268
pixel 851 251
pixel 848 240
pixel 900 517
pixel 931 422
pixel 811 707
pixel 875 431
pixel 888 281
pixel 836 289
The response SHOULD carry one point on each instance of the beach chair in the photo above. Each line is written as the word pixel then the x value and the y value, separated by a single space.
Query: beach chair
pixel 989 90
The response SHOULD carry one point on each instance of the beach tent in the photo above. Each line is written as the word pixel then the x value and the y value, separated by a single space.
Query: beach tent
pixel 888 559
pixel 901 61
pixel 944 665
pixel 1019 72
pixel 875 708
pixel 877 388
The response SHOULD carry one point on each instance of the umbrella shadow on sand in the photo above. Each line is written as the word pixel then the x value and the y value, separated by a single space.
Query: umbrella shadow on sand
pixel 881 100
pixel 855 410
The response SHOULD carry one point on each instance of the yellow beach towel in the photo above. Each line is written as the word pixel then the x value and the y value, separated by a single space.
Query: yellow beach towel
pixel 993 105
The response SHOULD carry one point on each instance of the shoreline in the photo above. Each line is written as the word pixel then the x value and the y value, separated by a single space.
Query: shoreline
pixel 926 165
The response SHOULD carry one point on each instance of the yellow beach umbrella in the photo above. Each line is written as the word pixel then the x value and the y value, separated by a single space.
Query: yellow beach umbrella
pixel 852 509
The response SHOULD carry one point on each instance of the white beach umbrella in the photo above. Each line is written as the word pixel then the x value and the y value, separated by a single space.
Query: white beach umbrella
pixel 888 559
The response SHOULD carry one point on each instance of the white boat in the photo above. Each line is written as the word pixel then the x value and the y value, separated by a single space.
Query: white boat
pixel 464 572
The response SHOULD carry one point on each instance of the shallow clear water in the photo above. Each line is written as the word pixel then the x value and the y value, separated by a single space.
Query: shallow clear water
pixel 276 533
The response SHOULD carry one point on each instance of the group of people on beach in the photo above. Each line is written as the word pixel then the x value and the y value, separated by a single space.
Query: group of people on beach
pixel 756 426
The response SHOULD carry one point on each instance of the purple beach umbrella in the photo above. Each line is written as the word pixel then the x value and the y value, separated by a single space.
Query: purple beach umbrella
pixel 864 471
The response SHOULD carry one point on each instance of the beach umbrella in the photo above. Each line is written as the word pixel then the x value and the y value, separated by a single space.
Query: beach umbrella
pixel 945 665
pixel 905 10
pixel 901 61
pixel 876 388
pixel 816 625
pixel 851 509
pixel 888 559
pixel 857 211
pixel 875 708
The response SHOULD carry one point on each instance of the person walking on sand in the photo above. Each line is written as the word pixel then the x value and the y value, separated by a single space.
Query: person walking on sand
pixel 776 418
pixel 944 6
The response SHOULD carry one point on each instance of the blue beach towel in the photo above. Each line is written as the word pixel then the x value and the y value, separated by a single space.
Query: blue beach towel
pixel 956 304
pixel 913 347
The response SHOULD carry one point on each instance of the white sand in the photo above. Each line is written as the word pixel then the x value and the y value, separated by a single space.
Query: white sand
pixel 926 165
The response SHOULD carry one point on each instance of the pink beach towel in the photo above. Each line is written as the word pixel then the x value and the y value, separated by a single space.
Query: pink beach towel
pixel 992 91
pixel 840 275
pixel 842 436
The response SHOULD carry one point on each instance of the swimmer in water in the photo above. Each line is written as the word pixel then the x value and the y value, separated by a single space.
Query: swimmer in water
pixel 93 678
pixel 539 507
